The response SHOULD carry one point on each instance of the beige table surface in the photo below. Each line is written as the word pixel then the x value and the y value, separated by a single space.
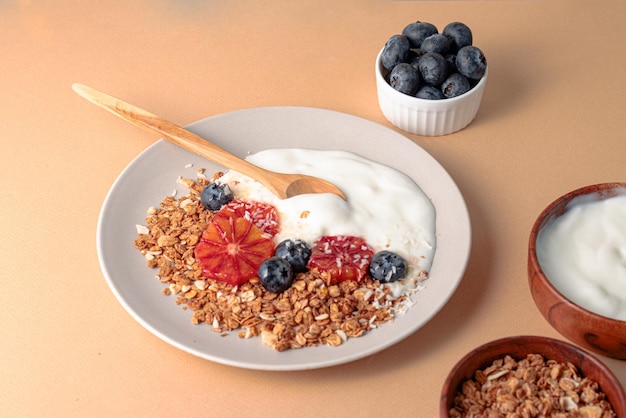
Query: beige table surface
pixel 551 121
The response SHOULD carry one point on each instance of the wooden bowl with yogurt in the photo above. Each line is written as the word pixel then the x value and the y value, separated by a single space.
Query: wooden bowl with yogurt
pixel 577 267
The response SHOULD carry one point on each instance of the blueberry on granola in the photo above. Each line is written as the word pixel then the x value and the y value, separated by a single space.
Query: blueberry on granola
pixel 387 266
pixel 276 274
pixel 216 195
pixel 295 252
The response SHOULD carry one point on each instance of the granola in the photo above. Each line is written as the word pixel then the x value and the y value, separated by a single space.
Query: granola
pixel 531 387
pixel 312 312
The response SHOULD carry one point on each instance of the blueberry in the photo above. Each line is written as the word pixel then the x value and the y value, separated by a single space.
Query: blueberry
pixel 418 31
pixel 405 79
pixel 295 252
pixel 275 274
pixel 395 51
pixel 387 266
pixel 412 55
pixel 430 93
pixel 216 195
pixel 459 33
pixel 433 68
pixel 455 85
pixel 436 43
pixel 451 60
pixel 416 59
pixel 471 62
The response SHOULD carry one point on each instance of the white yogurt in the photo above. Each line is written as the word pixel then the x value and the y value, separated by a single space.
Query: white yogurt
pixel 383 206
pixel 583 253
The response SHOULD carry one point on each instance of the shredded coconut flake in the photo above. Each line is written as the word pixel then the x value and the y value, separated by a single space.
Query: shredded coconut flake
pixel 141 229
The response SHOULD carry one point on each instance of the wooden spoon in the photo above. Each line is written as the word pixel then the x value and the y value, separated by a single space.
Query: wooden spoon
pixel 282 185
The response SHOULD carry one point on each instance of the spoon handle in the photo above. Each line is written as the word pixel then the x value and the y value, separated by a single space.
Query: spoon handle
pixel 169 130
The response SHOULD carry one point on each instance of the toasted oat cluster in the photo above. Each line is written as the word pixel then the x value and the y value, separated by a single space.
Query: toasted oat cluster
pixel 531 387
pixel 310 313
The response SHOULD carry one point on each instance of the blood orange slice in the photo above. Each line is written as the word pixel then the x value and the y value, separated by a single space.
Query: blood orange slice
pixel 232 248
pixel 341 257
pixel 263 215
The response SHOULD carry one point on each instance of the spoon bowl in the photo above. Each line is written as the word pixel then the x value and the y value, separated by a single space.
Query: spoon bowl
pixel 283 185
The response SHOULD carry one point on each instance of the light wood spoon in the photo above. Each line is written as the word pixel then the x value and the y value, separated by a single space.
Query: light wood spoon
pixel 282 185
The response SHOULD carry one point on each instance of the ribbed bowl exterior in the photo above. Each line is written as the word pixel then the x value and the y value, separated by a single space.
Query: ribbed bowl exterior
pixel 427 117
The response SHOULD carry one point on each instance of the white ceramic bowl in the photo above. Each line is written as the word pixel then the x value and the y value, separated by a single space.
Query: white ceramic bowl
pixel 427 117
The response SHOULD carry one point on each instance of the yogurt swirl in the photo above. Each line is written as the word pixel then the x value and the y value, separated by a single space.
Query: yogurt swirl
pixel 383 205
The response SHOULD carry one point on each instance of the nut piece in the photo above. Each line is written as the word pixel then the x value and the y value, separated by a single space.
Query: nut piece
pixel 166 241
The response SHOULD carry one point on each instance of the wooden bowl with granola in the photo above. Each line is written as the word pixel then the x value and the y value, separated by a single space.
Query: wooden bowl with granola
pixel 531 376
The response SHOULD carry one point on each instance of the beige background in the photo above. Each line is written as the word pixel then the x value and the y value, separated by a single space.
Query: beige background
pixel 551 121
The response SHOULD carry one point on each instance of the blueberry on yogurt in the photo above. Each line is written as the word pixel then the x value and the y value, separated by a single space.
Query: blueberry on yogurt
pixel 387 266
pixel 216 195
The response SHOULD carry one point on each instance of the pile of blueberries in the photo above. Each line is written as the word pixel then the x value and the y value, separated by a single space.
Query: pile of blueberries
pixel 424 63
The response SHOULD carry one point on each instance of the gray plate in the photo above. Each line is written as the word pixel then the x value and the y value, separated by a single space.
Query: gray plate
pixel 152 176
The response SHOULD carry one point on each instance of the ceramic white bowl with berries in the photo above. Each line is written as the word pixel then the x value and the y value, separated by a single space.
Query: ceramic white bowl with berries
pixel 428 117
